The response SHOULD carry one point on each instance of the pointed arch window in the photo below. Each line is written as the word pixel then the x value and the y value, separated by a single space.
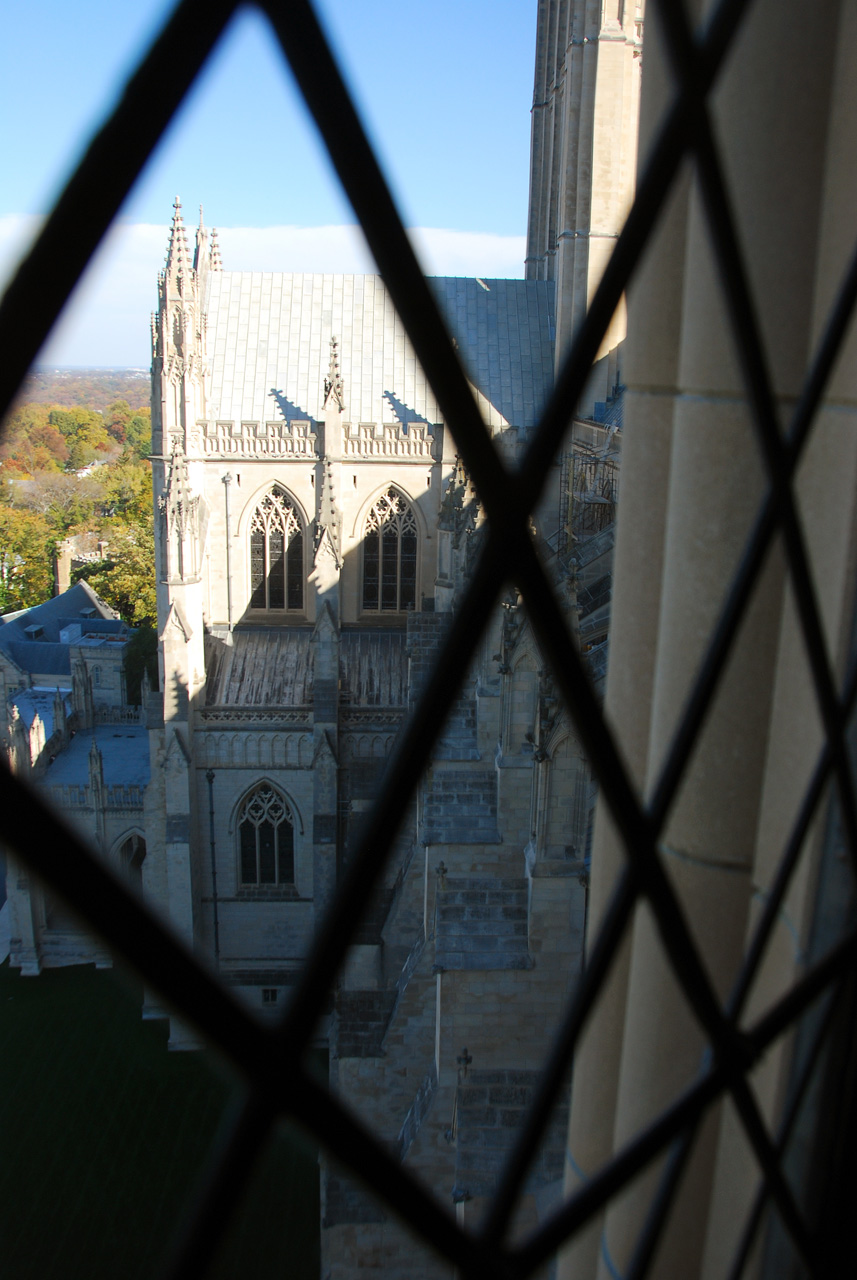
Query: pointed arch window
pixel 390 555
pixel 266 838
pixel 276 554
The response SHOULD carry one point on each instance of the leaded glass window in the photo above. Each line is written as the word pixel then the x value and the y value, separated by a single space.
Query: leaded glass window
pixel 276 554
pixel 390 555
pixel 266 838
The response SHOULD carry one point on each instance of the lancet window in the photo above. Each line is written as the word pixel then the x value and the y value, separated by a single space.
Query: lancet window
pixel 390 555
pixel 276 554
pixel 266 838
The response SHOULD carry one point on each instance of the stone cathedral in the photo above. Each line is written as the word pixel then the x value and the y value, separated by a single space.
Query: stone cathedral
pixel 314 528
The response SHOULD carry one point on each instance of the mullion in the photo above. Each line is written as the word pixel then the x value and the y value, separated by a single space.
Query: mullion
pixel 768 1159
pixel 757 545
pixel 776 459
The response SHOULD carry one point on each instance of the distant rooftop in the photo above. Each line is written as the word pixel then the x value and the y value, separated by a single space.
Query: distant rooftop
pixel 37 640
pixel 124 752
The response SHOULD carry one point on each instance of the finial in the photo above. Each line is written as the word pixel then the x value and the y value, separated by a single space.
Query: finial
pixel 216 264
pixel 333 384
pixel 199 255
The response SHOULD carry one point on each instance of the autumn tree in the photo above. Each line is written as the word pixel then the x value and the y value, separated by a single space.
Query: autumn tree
pixel 126 489
pixel 26 559
pixel 138 433
pixel 31 442
pixel 126 578
pixel 64 500
pixel 85 435
pixel 116 418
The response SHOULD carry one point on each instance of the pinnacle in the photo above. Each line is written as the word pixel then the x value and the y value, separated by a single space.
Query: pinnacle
pixel 177 251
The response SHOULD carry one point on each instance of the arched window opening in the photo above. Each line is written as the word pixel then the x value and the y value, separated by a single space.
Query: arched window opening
pixel 390 555
pixel 132 854
pixel 276 554
pixel 266 838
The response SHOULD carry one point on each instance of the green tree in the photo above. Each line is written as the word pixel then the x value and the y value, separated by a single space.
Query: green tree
pixel 85 435
pixel 126 579
pixel 27 545
pixel 138 433
pixel 126 488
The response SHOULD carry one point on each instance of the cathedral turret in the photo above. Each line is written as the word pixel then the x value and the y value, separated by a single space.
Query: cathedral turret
pixel 178 339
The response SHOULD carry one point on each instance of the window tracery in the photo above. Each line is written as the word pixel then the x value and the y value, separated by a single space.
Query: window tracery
pixel 276 554
pixel 266 838
pixel 390 555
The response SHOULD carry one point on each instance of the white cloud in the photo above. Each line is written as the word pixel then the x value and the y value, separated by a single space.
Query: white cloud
pixel 107 319
pixel 470 253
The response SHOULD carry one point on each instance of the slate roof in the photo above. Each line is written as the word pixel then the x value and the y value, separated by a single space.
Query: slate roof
pixel 264 667
pixel 269 336
pixel 48 655
pixel 39 657
pixel 124 753
pixel 31 701
pixel 272 667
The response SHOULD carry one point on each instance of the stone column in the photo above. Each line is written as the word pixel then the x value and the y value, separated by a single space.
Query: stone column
pixel 638 566
pixel 826 489
pixel 688 399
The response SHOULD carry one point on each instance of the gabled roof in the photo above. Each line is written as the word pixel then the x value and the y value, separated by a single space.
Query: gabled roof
pixel 48 655
pixel 269 346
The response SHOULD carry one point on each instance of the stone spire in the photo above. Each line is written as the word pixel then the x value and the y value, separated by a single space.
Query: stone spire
pixel 333 385
pixel 178 258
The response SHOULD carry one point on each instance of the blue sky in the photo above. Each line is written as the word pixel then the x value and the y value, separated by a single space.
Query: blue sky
pixel 444 88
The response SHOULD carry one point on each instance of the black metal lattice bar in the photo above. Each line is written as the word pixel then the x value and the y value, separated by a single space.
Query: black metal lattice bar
pixel 266 1056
